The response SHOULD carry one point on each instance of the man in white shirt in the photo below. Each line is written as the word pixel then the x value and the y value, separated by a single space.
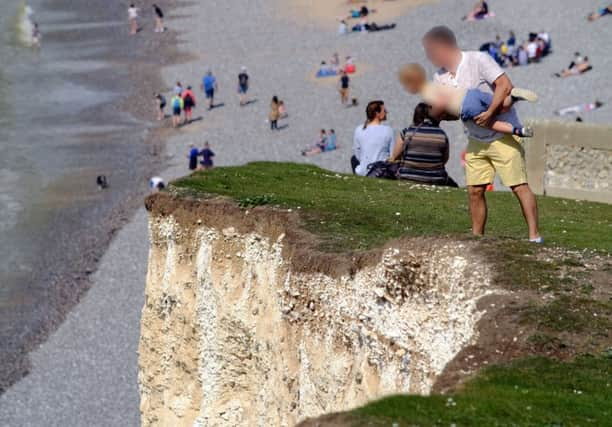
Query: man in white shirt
pixel 488 152
pixel 372 141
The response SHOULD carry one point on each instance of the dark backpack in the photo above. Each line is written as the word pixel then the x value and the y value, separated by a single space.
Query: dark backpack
pixel 189 101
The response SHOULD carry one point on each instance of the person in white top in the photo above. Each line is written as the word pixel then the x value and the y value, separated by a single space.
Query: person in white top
pixel 372 141
pixel 488 152
pixel 133 16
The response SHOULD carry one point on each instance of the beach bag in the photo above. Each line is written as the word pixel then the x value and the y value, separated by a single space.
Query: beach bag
pixel 383 169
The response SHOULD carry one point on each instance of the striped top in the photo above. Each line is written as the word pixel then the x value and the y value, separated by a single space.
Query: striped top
pixel 427 149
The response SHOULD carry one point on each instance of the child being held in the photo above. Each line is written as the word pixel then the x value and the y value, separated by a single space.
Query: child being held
pixel 465 104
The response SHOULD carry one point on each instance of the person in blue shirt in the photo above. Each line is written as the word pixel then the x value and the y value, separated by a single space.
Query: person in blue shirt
pixel 331 141
pixel 207 157
pixel 193 158
pixel 209 86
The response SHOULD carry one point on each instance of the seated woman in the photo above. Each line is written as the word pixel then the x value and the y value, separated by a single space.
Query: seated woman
pixel 601 12
pixel 422 150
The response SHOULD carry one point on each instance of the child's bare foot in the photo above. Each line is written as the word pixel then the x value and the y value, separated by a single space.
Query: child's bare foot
pixel 519 94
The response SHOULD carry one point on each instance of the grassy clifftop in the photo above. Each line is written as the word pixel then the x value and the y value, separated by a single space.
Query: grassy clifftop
pixel 359 213
pixel 544 355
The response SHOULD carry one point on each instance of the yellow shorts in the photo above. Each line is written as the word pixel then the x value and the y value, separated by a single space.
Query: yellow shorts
pixel 504 156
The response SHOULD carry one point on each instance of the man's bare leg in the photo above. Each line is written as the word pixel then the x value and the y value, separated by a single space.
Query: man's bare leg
pixel 529 206
pixel 478 208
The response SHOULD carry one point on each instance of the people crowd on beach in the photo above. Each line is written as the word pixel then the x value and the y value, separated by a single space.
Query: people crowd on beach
pixel 509 53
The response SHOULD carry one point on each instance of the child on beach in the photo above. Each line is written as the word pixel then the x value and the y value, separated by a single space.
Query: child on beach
pixel 161 104
pixel 462 103
pixel 207 157
pixel 209 86
pixel 177 104
pixel 243 86
pixel 133 17
pixel 282 110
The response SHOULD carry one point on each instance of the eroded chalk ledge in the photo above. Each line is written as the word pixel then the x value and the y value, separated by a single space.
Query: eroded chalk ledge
pixel 245 323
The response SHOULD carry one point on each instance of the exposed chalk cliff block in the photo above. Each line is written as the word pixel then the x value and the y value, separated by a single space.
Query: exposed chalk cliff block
pixel 245 324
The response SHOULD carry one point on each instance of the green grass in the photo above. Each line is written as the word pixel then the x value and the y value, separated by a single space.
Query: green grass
pixel 359 213
pixel 531 392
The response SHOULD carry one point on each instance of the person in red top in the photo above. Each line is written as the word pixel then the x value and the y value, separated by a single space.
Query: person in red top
pixel 189 103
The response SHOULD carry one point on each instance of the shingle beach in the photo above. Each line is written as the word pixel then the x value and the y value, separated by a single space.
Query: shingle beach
pixel 86 373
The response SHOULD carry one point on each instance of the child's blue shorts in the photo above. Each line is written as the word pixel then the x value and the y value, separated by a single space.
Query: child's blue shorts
pixel 475 103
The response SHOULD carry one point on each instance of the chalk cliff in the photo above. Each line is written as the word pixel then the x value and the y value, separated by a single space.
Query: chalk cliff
pixel 246 323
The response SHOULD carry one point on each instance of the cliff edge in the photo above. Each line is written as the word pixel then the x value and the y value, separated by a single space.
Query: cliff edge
pixel 253 318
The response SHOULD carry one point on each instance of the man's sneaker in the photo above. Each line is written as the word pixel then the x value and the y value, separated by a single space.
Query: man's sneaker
pixel 525 132
pixel 538 240
pixel 519 94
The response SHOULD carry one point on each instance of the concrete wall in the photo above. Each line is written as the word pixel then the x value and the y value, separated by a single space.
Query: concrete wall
pixel 571 160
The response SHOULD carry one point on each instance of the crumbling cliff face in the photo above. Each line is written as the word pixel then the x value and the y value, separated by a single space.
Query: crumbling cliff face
pixel 245 324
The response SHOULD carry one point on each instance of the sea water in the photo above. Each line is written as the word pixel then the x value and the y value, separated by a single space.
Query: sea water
pixel 59 129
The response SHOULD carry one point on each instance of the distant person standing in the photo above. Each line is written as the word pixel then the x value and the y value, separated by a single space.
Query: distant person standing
pixel 189 103
pixel 193 157
pixel 344 87
pixel 159 19
pixel 373 141
pixel 178 89
pixel 207 157
pixel 274 113
pixel 36 36
pixel 161 104
pixel 243 86
pixel 177 106
pixel 209 86
pixel 133 17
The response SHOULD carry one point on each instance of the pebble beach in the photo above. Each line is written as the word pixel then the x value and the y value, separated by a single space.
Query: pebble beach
pixel 85 374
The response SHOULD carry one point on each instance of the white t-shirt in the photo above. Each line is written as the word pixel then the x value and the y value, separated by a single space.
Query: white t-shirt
pixel 133 12
pixel 155 182
pixel 370 145
pixel 532 50
pixel 477 70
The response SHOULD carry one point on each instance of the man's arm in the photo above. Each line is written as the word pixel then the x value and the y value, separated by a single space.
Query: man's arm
pixel 503 87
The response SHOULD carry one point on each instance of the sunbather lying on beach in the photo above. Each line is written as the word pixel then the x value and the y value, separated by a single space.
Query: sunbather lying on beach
pixel 462 103
pixel 576 68
pixel 601 12
pixel 479 11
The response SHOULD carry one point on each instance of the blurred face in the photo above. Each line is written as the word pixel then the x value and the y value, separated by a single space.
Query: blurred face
pixel 438 53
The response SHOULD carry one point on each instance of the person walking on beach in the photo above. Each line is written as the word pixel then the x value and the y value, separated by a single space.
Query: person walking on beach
pixel 372 141
pixel 207 157
pixel 343 87
pixel 488 152
pixel 189 103
pixel 159 19
pixel 209 86
pixel 133 17
pixel 274 113
pixel 243 86
pixel 177 106
pixel 161 104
